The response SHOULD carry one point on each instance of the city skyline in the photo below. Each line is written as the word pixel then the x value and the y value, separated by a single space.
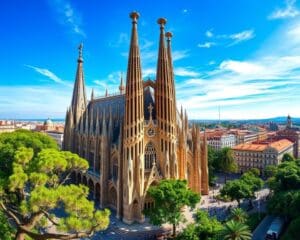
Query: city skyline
pixel 248 67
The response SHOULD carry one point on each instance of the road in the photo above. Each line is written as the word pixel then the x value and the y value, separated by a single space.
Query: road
pixel 261 230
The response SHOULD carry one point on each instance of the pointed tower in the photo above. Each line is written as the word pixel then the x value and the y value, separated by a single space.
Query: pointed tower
pixel 133 136
pixel 165 101
pixel 121 87
pixel 79 103
pixel 68 131
pixel 92 95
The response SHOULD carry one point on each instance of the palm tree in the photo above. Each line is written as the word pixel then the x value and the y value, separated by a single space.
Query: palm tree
pixel 236 231
pixel 239 215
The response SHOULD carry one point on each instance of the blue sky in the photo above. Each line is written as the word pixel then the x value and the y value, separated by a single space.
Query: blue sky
pixel 243 56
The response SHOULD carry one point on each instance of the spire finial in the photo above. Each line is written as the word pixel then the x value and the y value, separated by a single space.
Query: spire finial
pixel 169 35
pixel 134 16
pixel 106 93
pixel 162 22
pixel 80 48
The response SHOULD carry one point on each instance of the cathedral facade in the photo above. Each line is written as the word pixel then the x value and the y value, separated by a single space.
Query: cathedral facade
pixel 137 137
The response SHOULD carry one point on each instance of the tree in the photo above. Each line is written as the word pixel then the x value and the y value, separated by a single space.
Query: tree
pixel 237 190
pixel 238 215
pixel 293 230
pixel 207 227
pixel 270 171
pixel 213 163
pixel 189 233
pixel 10 142
pixel 170 196
pixel 35 194
pixel 252 180
pixel 236 231
pixel 287 157
pixel 6 231
pixel 227 163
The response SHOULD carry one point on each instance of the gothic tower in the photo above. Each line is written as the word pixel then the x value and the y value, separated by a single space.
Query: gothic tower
pixel 78 104
pixel 133 137
pixel 165 105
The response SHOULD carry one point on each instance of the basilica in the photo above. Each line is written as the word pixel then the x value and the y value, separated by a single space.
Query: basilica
pixel 137 137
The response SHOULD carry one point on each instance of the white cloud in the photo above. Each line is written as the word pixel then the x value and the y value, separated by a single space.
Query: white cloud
pixel 148 72
pixel 206 45
pixel 241 36
pixel 241 67
pixel 46 72
pixel 179 54
pixel 34 101
pixel 185 72
pixel 68 16
pixel 209 33
pixel 290 11
pixel 184 11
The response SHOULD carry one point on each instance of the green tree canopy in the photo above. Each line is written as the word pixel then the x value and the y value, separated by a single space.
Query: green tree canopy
pixel 236 231
pixel 243 187
pixel 207 227
pixel 11 142
pixel 238 215
pixel 35 194
pixel 170 196
pixel 237 190
pixel 270 171
pixel 226 160
pixel 287 157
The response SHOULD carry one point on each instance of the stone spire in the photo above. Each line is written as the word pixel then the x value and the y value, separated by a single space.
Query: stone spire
pixel 165 99
pixel 79 103
pixel 92 95
pixel 121 87
pixel 133 121
pixel 169 36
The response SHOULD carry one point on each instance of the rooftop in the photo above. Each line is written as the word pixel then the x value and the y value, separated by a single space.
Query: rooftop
pixel 259 147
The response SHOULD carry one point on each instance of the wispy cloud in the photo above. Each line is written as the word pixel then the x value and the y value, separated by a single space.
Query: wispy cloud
pixel 185 72
pixel 185 11
pixel 238 86
pixel 123 39
pixel 30 101
pixel 68 16
pixel 206 44
pixel 226 39
pixel 180 54
pixel 241 36
pixel 289 11
pixel 209 33
pixel 47 73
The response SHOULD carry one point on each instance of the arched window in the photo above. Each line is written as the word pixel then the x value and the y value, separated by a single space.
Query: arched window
pixel 150 155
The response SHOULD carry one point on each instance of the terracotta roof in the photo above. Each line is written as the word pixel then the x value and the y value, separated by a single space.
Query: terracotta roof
pixel 281 144
pixel 250 147
pixel 259 147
